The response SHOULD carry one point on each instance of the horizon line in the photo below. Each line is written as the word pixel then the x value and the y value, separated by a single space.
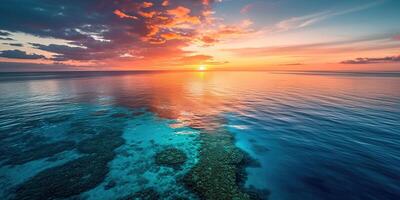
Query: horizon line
pixel 213 70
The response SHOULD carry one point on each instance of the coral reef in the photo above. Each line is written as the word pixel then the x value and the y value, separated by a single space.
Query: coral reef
pixel 66 180
pixel 102 143
pixel 171 157
pixel 219 174
pixel 76 176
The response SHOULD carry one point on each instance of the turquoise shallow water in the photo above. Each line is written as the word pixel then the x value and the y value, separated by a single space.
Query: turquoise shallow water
pixel 132 169
pixel 314 136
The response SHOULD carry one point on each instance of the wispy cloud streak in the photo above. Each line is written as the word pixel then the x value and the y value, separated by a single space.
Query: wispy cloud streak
pixel 387 59
pixel 307 20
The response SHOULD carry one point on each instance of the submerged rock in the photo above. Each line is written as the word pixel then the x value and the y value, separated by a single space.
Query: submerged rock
pixel 171 157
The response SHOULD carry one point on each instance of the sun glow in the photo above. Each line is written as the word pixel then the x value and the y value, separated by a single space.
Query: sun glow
pixel 202 68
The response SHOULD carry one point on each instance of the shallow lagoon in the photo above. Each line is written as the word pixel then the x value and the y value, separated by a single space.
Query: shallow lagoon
pixel 283 136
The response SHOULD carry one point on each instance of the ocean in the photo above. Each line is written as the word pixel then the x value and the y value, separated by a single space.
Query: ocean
pixel 200 135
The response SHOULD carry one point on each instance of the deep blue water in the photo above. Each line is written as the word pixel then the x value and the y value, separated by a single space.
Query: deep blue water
pixel 315 135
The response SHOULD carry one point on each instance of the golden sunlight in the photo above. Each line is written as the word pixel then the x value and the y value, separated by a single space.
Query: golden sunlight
pixel 202 68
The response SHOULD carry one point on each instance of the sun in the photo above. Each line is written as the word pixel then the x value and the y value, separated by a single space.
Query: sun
pixel 202 68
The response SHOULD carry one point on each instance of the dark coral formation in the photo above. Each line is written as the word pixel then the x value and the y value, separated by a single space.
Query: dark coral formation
pixel 103 143
pixel 146 194
pixel 66 180
pixel 39 152
pixel 258 194
pixel 219 174
pixel 171 157
pixel 110 185
pixel 76 176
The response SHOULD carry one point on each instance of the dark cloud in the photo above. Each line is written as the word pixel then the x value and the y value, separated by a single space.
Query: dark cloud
pixel 106 29
pixel 16 67
pixel 2 33
pixel 70 53
pixel 6 38
pixel 387 59
pixel 17 54
pixel 14 44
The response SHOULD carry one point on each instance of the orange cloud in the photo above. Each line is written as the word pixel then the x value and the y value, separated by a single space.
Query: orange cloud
pixel 173 36
pixel 206 2
pixel 147 4
pixel 181 15
pixel 147 14
pixel 226 31
pixel 171 24
pixel 123 15
pixel 165 3
pixel 209 39
pixel 179 11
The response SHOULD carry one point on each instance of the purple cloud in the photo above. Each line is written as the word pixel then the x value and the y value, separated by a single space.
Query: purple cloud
pixel 106 29
pixel 14 44
pixel 387 59
pixel 6 38
pixel 17 54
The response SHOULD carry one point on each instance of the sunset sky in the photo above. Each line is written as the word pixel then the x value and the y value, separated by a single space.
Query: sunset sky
pixel 49 35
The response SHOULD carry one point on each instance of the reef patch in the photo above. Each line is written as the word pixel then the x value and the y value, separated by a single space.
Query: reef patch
pixel 103 143
pixel 220 171
pixel 171 157
pixel 76 176
pixel 66 180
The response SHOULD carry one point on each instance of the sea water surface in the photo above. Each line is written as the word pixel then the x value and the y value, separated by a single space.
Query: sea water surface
pixel 95 135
